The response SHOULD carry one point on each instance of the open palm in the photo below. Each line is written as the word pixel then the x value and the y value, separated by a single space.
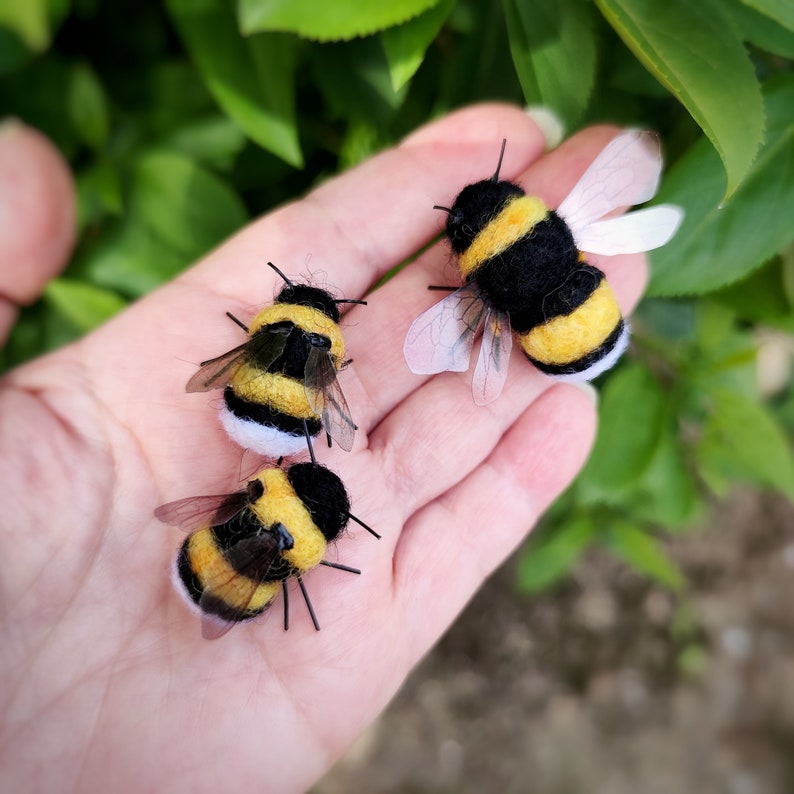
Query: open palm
pixel 107 682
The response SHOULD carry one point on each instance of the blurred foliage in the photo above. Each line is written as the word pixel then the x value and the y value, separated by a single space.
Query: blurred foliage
pixel 182 119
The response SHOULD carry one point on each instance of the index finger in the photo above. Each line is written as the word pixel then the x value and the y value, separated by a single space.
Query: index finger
pixel 358 226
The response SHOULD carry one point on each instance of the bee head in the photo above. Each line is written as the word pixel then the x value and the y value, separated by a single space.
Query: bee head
pixel 324 496
pixel 474 207
pixel 304 295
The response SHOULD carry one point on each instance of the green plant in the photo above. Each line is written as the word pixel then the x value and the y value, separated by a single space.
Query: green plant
pixel 183 119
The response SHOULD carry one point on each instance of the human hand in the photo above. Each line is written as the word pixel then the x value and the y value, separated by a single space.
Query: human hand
pixel 108 683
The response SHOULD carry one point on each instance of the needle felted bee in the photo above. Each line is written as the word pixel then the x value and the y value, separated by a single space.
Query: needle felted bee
pixel 280 386
pixel 524 271
pixel 244 546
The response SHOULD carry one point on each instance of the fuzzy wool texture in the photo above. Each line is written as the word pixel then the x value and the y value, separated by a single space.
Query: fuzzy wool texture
pixel 308 319
pixel 278 391
pixel 516 219
pixel 281 505
pixel 568 338
pixel 261 438
pixel 534 278
pixel 599 364
pixel 213 572
pixel 324 495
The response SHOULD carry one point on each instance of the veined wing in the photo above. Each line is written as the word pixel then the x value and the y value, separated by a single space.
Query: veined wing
pixel 494 358
pixel 626 172
pixel 642 230
pixel 326 398
pixel 194 512
pixel 441 338
pixel 263 348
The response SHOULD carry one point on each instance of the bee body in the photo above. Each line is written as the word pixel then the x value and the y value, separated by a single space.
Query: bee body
pixel 243 547
pixel 525 274
pixel 280 387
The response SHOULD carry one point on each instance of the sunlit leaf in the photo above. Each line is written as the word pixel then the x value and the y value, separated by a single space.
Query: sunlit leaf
pixel 554 51
pixel 696 51
pixel 251 78
pixel 341 19
pixel 782 11
pixel 184 204
pixel 405 44
pixel 29 20
pixel 717 245
pixel 84 305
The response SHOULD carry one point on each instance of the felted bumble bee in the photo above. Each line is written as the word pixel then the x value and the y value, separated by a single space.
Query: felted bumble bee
pixel 524 271
pixel 280 386
pixel 244 546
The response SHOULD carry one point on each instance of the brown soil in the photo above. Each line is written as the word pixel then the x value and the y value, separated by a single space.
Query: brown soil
pixel 608 684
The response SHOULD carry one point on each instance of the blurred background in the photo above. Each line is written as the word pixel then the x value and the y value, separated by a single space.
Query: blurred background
pixel 642 639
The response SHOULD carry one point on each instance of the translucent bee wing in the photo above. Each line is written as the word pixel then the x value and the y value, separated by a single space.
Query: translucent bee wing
pixel 213 627
pixel 263 348
pixel 326 398
pixel 642 230
pixel 494 358
pixel 441 338
pixel 251 558
pixel 195 512
pixel 626 172
pixel 217 372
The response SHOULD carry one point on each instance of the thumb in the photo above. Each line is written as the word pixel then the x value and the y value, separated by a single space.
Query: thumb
pixel 37 217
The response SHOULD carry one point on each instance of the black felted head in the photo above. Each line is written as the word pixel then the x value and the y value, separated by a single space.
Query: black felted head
pixel 476 205
pixel 324 495
pixel 304 295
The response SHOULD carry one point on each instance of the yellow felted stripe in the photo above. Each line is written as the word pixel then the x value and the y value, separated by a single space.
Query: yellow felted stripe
pixel 222 580
pixel 273 389
pixel 311 320
pixel 514 221
pixel 280 504
pixel 570 337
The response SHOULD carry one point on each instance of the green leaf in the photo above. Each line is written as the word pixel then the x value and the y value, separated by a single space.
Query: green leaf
pixel 544 35
pixel 251 79
pixel 761 297
pixel 29 20
pixel 187 207
pixel 131 259
pixel 215 141
pixel 762 31
pixel 405 44
pixel 13 52
pixel 716 245
pixel 631 416
pixel 87 106
pixel 333 21
pixel 742 438
pixel 354 79
pixel 695 50
pixel 667 494
pixel 548 559
pixel 643 552
pixel 782 11
pixel 83 305
pixel 98 192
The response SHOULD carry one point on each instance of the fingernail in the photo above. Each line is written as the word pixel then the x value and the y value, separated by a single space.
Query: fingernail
pixel 549 122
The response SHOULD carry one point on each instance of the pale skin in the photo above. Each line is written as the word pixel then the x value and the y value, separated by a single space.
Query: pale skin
pixel 107 682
